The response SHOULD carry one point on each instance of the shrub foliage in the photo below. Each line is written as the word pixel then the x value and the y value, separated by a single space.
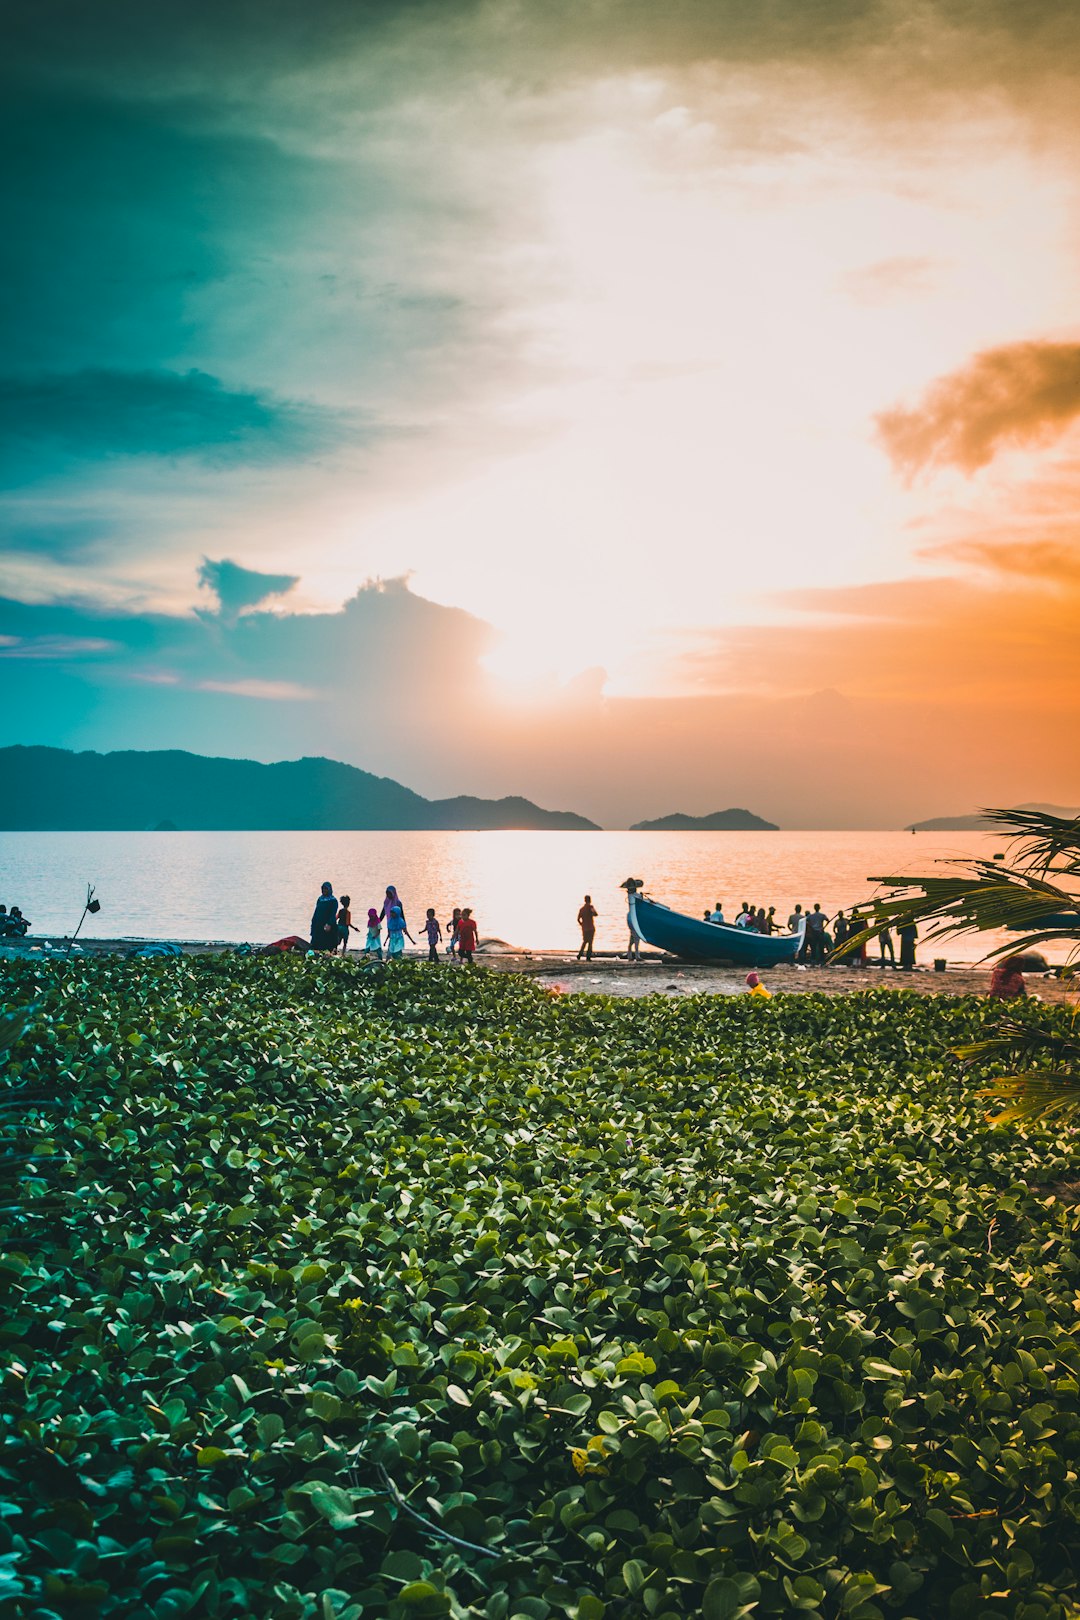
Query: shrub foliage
pixel 413 1292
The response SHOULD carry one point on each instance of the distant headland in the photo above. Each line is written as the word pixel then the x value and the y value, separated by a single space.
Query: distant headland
pixel 718 821
pixel 978 821
pixel 55 790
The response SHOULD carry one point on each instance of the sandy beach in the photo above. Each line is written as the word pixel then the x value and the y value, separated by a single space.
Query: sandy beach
pixel 610 975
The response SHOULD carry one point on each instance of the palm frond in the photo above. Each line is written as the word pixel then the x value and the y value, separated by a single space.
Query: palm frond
pixel 1041 841
pixel 988 897
pixel 1036 1097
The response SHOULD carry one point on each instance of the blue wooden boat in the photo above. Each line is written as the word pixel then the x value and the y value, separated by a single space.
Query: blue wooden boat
pixel 670 931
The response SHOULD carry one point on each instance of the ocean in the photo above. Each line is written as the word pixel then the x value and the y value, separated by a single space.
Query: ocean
pixel 524 887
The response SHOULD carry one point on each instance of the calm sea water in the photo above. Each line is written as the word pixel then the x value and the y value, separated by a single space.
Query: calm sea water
pixel 524 887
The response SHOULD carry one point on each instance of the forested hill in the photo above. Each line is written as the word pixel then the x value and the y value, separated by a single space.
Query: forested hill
pixel 53 789
pixel 718 821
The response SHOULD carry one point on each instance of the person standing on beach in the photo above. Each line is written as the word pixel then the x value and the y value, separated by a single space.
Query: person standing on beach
pixel 586 917
pixel 815 935
pixel 770 921
pixel 344 922
pixel 885 943
pixel 433 930
pixel 466 935
pixel 324 931
pixel 907 934
pixel 455 926
pixel 373 943
pixel 795 921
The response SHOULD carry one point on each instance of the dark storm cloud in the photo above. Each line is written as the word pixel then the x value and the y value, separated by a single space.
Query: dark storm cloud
pixel 1018 395
pixel 238 588
pixel 151 413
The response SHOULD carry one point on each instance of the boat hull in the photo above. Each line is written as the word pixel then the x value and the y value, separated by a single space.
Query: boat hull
pixel 679 935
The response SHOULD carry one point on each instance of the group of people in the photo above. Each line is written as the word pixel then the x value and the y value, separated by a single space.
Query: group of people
pixel 13 925
pixel 332 926
pixel 819 943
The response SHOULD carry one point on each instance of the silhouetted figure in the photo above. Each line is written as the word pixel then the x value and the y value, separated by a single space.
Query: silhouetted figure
pixel 586 917
pixel 907 934
pixel 885 943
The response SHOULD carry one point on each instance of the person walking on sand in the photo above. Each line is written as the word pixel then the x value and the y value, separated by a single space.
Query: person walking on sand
pixel 324 930
pixel 455 927
pixel 373 943
pixel 466 935
pixel 586 917
pixel 396 933
pixel 392 899
pixel 433 931
pixel 344 922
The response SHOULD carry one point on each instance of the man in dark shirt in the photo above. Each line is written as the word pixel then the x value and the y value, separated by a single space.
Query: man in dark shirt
pixel 815 934
pixel 587 922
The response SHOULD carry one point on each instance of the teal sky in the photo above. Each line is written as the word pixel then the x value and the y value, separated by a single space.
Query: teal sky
pixel 641 408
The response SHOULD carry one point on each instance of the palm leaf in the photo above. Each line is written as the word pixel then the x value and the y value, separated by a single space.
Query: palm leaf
pixel 987 896
pixel 1037 1097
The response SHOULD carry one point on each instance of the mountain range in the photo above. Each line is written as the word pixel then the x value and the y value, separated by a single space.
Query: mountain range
pixel 977 821
pixel 53 789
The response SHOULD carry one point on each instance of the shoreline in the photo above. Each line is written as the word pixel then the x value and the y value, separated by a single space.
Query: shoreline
pixel 609 973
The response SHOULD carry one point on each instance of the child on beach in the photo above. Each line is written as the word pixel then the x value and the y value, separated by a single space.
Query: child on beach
pixel 433 931
pixel 466 935
pixel 455 925
pixel 396 933
pixel 373 943
pixel 344 922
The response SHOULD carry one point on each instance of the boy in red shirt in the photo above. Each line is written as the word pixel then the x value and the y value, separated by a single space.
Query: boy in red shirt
pixel 466 935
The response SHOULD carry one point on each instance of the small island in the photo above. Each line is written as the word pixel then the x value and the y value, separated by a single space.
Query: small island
pixel 718 821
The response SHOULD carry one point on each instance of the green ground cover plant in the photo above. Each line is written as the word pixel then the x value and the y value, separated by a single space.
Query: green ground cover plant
pixel 408 1292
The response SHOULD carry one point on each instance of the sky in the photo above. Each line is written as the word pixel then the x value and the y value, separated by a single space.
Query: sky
pixel 641 408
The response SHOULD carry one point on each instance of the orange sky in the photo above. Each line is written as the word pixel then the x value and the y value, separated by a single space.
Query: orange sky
pixel 721 362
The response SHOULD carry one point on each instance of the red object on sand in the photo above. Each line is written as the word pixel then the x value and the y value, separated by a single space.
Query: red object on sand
pixel 291 942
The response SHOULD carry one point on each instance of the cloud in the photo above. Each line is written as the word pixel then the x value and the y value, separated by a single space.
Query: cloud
pixel 238 588
pixel 97 413
pixel 1019 395
pixel 891 279
pixel 885 703
pixel 53 648
pixel 264 691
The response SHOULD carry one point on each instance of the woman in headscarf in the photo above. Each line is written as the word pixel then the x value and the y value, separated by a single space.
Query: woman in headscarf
pixel 392 899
